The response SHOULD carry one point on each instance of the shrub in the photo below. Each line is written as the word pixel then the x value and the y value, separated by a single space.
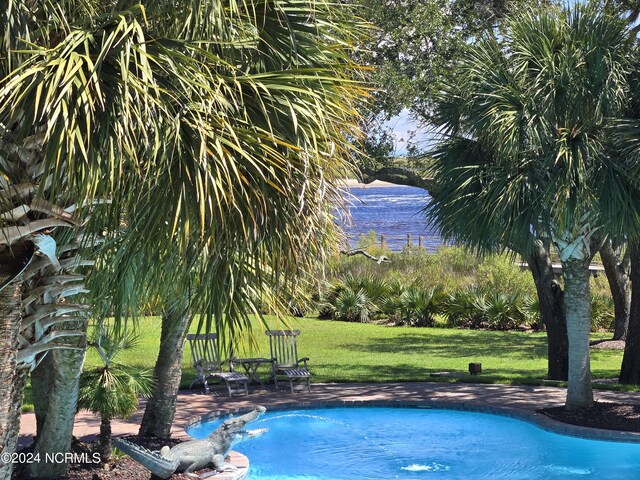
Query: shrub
pixel 531 310
pixel 475 307
pixel 352 306
pixel 391 305
pixel 602 312
pixel 376 288
pixel 499 273
pixel 465 308
pixel 457 260
pixel 418 306
pixel 504 311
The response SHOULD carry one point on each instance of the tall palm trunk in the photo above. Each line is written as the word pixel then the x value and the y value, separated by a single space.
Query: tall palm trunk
pixel 161 407
pixel 630 370
pixel 552 313
pixel 616 267
pixel 57 426
pixel 578 306
pixel 10 377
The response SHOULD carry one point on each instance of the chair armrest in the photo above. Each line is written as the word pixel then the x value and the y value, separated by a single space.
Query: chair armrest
pixel 304 360
pixel 232 367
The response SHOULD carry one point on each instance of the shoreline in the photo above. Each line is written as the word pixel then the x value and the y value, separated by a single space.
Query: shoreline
pixel 354 182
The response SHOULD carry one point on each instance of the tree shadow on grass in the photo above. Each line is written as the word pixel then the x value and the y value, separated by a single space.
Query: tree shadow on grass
pixel 494 344
pixel 405 372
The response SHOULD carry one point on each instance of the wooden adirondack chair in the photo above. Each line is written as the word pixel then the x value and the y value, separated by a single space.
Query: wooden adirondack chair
pixel 285 361
pixel 206 360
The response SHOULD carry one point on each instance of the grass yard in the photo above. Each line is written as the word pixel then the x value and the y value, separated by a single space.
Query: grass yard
pixel 362 352
pixel 359 352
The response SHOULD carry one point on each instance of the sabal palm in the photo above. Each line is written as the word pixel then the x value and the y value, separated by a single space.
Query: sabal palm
pixel 213 129
pixel 526 154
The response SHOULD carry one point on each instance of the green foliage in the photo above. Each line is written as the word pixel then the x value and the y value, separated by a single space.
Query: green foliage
pixel 504 311
pixel 352 305
pixel 531 309
pixel 526 119
pixel 413 47
pixel 452 285
pixel 354 298
pixel 602 312
pixel 419 306
pixel 465 308
pixel 419 288
pixel 500 273
pixel 112 389
pixel 456 260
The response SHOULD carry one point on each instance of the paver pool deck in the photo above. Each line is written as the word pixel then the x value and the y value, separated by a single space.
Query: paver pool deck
pixel 516 401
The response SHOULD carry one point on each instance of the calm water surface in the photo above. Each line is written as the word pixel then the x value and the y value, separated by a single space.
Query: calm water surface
pixel 410 443
pixel 393 212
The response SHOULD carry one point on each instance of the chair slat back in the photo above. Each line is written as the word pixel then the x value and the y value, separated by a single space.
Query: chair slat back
pixel 284 347
pixel 204 351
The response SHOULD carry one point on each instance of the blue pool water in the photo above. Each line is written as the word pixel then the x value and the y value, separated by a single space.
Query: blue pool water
pixel 412 443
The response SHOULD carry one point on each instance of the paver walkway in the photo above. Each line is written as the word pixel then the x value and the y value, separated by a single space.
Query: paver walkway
pixel 520 401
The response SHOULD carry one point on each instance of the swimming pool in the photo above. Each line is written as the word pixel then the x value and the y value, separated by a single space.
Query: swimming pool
pixel 411 443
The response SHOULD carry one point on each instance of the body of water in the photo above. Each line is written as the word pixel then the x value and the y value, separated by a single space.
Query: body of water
pixel 413 443
pixel 392 211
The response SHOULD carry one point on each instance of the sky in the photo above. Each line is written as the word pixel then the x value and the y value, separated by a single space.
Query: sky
pixel 402 126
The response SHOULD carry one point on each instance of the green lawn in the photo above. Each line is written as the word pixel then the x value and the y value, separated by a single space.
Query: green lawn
pixel 356 352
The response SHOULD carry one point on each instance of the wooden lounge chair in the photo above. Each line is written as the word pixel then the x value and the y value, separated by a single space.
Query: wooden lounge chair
pixel 285 361
pixel 206 360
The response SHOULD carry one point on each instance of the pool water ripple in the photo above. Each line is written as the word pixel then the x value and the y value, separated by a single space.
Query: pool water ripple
pixel 405 443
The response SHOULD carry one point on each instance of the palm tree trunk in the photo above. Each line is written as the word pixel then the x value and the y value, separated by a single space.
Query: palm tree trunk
pixel 630 371
pixel 577 308
pixel 161 407
pixel 41 386
pixel 552 314
pixel 10 376
pixel 57 425
pixel 105 440
pixel 616 268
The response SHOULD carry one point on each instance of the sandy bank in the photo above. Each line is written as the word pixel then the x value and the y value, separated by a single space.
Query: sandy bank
pixel 352 182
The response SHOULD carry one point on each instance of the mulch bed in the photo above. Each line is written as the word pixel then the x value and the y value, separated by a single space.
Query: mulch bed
pixel 608 416
pixel 610 344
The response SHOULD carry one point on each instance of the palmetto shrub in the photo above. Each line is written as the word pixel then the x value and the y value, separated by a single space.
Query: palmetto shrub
pixel 353 306
pixel 376 288
pixel 464 308
pixel 531 310
pixel 419 306
pixel 474 307
pixel 504 311
pixel 353 298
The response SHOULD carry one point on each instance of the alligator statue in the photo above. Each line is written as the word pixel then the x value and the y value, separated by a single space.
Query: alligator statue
pixel 192 455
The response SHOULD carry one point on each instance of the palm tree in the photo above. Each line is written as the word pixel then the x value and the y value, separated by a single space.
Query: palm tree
pixel 112 390
pixel 42 275
pixel 526 149
pixel 212 132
